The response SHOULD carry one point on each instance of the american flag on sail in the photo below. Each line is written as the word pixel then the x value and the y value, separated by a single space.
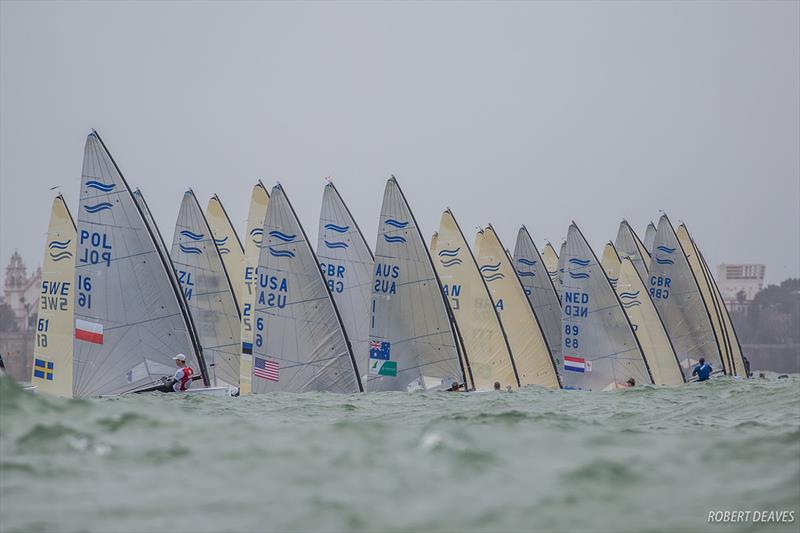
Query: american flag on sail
pixel 266 369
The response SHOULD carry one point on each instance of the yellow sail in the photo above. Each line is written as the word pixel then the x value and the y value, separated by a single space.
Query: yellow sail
pixel 611 263
pixel 533 360
pixel 228 243
pixel 487 349
pixel 643 316
pixel 550 259
pixel 252 250
pixel 705 291
pixel 434 239
pixel 52 353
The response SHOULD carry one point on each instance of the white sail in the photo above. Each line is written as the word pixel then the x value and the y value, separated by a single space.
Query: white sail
pixel 538 284
pixel 732 338
pixel 676 294
pixel 485 342
pixel 300 344
pixel 230 247
pixel 129 321
pixel 532 357
pixel 208 292
pixel 629 245
pixel 643 316
pixel 550 258
pixel 52 351
pixel 610 262
pixel 600 350
pixel 259 201
pixel 650 238
pixel 562 258
pixel 410 322
pixel 346 262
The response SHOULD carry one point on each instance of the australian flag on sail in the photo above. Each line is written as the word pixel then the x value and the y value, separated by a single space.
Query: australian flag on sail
pixel 379 350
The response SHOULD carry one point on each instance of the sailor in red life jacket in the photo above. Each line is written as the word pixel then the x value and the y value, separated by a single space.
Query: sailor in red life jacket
pixel 182 379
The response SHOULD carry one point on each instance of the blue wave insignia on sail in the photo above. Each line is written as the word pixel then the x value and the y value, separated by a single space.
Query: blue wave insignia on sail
pixel 102 206
pixel 337 229
pixel 100 186
pixel 664 261
pixel 334 245
pixel 449 253
pixel 526 261
pixel 393 238
pixel 523 274
pixel 632 303
pixel 189 249
pixel 258 235
pixel 281 236
pixel 613 281
pixel 396 223
pixel 579 275
pixel 221 245
pixel 490 268
pixel 60 256
pixel 579 262
pixel 453 261
pixel 190 235
pixel 280 253
pixel 493 277
pixel 665 249
pixel 629 295
pixel 61 245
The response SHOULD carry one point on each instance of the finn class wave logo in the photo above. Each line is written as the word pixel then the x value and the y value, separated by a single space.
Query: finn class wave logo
pixel 491 272
pixel 102 206
pixel 258 235
pixel 449 253
pixel 58 250
pixel 281 236
pixel 579 275
pixel 280 253
pixel 613 282
pixel 393 239
pixel 396 223
pixel 221 245
pixel 664 261
pixel 189 249
pixel 524 261
pixel 337 229
pixel 579 262
pixel 665 249
pixel 193 236
pixel 449 258
pixel 100 186
pixel 629 299
pixel 523 274
pixel 335 245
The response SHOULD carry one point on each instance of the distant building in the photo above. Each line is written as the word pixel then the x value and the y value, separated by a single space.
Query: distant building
pixel 21 292
pixel 739 284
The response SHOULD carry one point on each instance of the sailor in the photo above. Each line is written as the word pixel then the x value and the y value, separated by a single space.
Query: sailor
pixel 747 372
pixel 182 379
pixel 631 382
pixel 702 371
pixel 497 385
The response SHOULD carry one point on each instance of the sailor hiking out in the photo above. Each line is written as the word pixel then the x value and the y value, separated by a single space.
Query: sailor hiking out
pixel 702 371
pixel 182 379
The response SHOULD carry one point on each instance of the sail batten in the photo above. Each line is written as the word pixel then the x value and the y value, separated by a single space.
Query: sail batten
pixel 413 338
pixel 125 295
pixel 300 344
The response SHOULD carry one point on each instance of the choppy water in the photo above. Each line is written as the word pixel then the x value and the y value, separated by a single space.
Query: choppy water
pixel 638 459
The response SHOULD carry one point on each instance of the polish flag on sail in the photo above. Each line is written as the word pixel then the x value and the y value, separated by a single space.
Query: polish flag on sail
pixel 88 331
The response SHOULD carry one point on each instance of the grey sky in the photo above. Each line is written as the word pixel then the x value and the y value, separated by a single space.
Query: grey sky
pixel 513 113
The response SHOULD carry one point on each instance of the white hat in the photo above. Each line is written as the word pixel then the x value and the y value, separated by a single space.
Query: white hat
pixel 179 357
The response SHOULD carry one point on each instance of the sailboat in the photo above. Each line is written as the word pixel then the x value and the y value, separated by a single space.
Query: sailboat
pixel 628 244
pixel 562 259
pixel 490 356
pixel 600 350
pixel 52 351
pixel 300 344
pixel 676 294
pixel 346 262
pixel 650 238
pixel 129 322
pixel 731 353
pixel 259 200
pixel 539 288
pixel 230 247
pixel 550 259
pixel 532 357
pixel 413 339
pixel 646 323
pixel 208 292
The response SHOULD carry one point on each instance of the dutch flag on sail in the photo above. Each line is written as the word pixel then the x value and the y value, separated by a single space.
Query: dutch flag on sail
pixel 577 364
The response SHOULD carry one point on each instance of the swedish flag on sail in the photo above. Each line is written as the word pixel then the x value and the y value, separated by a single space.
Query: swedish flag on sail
pixel 43 369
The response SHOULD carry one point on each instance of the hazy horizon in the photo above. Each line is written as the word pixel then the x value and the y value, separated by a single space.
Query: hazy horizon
pixel 510 114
